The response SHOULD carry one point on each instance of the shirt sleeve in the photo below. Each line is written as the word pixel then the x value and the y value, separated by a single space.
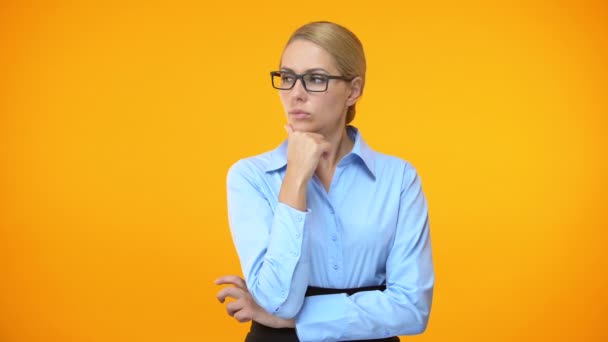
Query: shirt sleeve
pixel 269 242
pixel 404 307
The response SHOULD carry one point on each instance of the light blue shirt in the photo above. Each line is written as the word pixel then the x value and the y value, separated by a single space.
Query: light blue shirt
pixel 370 228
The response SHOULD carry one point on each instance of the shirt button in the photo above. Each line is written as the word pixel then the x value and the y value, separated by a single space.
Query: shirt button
pixel 297 235
pixel 299 218
pixel 334 237
pixel 335 267
pixel 283 294
pixel 295 254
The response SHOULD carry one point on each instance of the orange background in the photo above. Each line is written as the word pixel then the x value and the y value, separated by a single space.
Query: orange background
pixel 118 124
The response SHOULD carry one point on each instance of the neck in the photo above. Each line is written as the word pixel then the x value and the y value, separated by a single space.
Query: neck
pixel 341 144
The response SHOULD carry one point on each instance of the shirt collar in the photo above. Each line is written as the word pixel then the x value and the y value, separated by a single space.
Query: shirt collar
pixel 278 157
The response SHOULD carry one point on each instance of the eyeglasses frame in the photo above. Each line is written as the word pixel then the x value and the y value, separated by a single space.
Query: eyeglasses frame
pixel 301 78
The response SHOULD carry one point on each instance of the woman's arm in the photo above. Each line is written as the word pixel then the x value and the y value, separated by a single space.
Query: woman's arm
pixel 270 242
pixel 404 307
pixel 270 239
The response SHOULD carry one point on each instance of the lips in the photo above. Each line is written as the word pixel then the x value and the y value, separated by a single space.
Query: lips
pixel 298 114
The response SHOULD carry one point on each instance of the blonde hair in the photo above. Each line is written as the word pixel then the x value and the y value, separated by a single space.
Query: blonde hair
pixel 342 45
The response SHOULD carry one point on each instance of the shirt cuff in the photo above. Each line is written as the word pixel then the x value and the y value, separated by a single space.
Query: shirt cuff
pixel 287 236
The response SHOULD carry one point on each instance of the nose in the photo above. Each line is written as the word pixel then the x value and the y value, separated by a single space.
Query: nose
pixel 298 91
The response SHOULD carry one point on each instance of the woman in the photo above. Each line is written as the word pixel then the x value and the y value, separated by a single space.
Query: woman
pixel 333 237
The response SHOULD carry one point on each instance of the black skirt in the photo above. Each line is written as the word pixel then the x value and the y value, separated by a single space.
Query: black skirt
pixel 262 333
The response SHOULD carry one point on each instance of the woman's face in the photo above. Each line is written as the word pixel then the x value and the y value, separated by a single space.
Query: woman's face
pixel 323 112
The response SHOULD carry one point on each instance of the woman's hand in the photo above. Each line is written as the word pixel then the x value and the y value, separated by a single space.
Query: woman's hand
pixel 304 150
pixel 244 308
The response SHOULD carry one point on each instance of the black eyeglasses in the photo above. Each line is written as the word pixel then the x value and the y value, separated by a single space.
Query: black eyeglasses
pixel 313 82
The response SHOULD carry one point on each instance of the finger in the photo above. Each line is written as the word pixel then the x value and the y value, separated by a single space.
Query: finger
pixel 243 316
pixel 231 291
pixel 325 146
pixel 231 279
pixel 234 307
pixel 316 136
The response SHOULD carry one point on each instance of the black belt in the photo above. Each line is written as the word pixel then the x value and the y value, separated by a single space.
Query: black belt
pixel 262 333
pixel 318 291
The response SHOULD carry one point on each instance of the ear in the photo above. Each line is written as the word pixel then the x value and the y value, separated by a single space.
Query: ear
pixel 356 86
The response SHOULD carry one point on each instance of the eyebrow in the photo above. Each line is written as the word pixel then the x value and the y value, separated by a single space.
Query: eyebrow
pixel 307 71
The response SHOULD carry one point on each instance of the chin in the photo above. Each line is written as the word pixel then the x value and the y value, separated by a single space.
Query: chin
pixel 303 126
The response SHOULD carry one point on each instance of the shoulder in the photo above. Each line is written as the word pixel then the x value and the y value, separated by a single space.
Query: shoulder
pixel 392 163
pixel 384 166
pixel 395 168
pixel 252 167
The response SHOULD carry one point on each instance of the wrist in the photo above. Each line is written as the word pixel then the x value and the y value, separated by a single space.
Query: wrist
pixel 284 323
pixel 290 323
pixel 293 190
pixel 296 179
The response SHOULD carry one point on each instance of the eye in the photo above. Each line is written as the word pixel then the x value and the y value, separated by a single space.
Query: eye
pixel 317 78
pixel 287 78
